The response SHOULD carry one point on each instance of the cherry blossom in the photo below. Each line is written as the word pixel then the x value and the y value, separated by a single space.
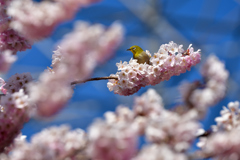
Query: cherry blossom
pixel 170 60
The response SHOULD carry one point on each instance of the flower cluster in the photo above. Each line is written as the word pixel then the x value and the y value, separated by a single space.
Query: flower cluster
pixel 201 97
pixel 17 82
pixel 224 142
pixel 112 141
pixel 37 20
pixel 170 60
pixel 176 131
pixel 10 40
pixel 146 107
pixel 52 143
pixel 223 145
pixel 230 118
pixel 149 104
pixel 162 126
pixel 15 112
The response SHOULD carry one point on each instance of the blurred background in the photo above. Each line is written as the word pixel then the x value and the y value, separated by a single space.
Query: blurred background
pixel 212 26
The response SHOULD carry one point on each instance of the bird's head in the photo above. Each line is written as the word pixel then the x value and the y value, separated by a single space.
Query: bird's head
pixel 135 50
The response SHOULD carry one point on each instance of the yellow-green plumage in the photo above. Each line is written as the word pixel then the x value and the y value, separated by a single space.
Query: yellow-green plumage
pixel 139 54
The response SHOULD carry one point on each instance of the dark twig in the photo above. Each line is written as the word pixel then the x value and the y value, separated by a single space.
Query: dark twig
pixel 94 79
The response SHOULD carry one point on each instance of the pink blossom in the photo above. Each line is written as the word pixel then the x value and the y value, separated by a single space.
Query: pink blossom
pixel 175 130
pixel 209 69
pixel 165 64
pixel 224 145
pixel 17 82
pixel 223 142
pixel 37 20
pixel 229 119
pixel 51 143
pixel 10 40
pixel 14 114
pixel 125 115
pixel 147 104
pixel 163 126
pixel 121 115
pixel 112 141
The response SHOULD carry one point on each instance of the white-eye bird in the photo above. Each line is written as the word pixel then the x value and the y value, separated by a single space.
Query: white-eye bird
pixel 139 54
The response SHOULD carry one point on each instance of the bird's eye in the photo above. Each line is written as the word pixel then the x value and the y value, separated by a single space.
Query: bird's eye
pixel 134 48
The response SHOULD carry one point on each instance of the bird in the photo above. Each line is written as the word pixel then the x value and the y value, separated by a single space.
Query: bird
pixel 139 54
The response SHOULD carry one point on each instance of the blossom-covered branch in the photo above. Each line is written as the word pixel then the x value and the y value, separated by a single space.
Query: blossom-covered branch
pixel 170 60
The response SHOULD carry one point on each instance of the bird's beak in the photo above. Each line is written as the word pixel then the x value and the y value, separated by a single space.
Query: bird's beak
pixel 129 49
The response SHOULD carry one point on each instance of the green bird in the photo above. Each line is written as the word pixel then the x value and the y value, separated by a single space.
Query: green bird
pixel 139 54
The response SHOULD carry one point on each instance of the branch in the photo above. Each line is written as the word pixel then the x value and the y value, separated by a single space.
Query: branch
pixel 83 81
pixel 94 79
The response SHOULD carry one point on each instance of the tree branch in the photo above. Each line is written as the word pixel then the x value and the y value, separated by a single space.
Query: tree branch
pixel 94 79
pixel 87 80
